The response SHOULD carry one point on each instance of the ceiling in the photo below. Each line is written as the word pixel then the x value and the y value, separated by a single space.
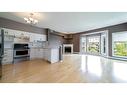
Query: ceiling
pixel 70 22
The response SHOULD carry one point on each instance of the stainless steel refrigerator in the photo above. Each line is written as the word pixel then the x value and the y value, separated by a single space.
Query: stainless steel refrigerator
pixel 1 49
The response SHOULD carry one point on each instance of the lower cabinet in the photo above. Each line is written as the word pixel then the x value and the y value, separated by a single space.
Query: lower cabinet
pixel 51 55
pixel 39 53
pixel 45 57
pixel 8 56
pixel 32 53
pixel 36 53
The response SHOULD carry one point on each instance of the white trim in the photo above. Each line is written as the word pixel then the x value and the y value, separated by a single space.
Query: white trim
pixel 105 34
pixel 81 44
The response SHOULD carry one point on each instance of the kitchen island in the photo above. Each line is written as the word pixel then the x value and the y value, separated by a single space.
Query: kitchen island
pixel 52 55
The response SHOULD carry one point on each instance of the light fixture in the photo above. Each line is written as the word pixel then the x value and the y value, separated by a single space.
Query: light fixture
pixel 31 19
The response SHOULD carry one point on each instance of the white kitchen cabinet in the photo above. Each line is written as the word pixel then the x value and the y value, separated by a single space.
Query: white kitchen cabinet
pixel 16 33
pixel 45 52
pixel 37 37
pixel 8 38
pixel 40 53
pixel 32 37
pixel 8 56
pixel 40 37
pixel 21 36
pixel 12 32
pixel 9 35
pixel 8 32
pixel 54 59
pixel 32 53
pixel 51 55
pixel 36 53
pixel 27 34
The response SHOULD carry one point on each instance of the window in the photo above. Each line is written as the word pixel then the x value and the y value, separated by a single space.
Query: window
pixel 93 44
pixel 119 44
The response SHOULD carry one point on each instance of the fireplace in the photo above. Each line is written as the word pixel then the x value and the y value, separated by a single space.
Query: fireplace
pixel 67 48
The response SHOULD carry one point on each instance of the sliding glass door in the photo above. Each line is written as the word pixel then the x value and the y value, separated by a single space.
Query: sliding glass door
pixel 90 44
pixel 119 44
pixel 93 44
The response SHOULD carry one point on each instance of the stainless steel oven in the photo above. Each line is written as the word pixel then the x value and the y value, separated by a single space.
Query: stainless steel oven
pixel 21 52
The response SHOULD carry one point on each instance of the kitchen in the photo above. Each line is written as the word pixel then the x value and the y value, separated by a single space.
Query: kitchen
pixel 24 42
pixel 20 45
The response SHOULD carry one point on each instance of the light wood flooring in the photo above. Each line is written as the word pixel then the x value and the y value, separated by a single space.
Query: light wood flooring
pixel 75 68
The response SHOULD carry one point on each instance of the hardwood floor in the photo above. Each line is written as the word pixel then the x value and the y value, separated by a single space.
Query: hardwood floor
pixel 74 69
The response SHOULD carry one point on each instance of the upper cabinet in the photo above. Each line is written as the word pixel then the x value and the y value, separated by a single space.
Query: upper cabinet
pixel 21 36
pixel 9 35
pixel 8 32
pixel 37 37
pixel 40 37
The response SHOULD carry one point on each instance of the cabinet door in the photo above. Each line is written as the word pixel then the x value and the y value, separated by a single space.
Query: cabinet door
pixel 44 54
pixel 8 56
pixel 17 33
pixel 7 60
pixel 37 37
pixel 43 37
pixel 40 37
pixel 9 32
pixel 32 37
pixel 41 53
pixel 8 38
pixel 36 53
pixel 32 53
